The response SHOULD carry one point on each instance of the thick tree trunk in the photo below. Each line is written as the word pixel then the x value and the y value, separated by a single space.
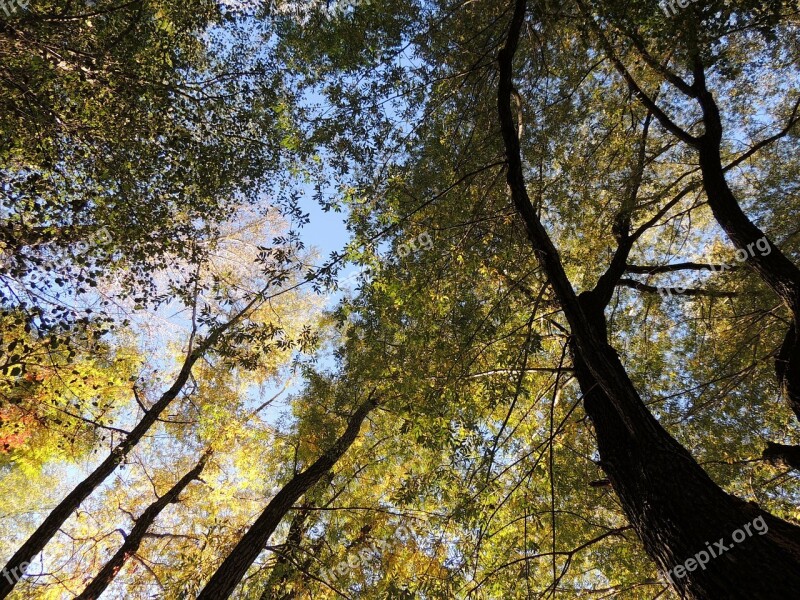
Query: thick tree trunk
pixel 137 534
pixel 680 514
pixel 230 573
pixel 58 516
pixel 675 508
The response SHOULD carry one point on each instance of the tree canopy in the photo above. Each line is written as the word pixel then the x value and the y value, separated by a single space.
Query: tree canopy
pixel 568 367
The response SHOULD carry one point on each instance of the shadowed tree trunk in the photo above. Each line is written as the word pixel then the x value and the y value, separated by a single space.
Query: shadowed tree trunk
pixel 777 271
pixel 673 505
pixel 224 581
pixel 134 539
pixel 782 455
pixel 277 586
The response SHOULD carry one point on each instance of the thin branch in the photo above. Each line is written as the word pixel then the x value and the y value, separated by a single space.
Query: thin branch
pixel 793 119
pixel 678 291
pixel 659 114
pixel 683 266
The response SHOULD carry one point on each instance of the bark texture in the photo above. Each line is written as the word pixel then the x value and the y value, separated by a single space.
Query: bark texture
pixel 782 455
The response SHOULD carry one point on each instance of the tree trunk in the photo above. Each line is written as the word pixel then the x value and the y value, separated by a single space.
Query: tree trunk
pixel 775 268
pixel 277 587
pixel 58 516
pixel 675 508
pixel 680 514
pixel 134 539
pixel 782 455
pixel 230 573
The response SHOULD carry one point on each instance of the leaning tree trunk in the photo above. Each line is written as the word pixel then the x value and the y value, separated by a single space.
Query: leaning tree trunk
pixel 44 533
pixel 680 514
pixel 134 539
pixel 278 585
pixel 58 516
pixel 230 573
pixel 677 511
pixel 777 271
pixel 774 268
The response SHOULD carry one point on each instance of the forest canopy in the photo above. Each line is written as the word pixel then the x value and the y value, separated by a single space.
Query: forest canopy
pixel 398 299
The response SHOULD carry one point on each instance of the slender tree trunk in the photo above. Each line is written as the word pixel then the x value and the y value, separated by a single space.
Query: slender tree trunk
pixel 134 539
pixel 58 516
pixel 230 573
pixel 780 273
pixel 673 505
pixel 775 268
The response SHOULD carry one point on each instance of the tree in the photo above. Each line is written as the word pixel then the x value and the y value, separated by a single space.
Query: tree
pixel 698 58
pixel 616 217
pixel 641 459
pixel 227 321
pixel 130 135
pixel 575 367
pixel 133 540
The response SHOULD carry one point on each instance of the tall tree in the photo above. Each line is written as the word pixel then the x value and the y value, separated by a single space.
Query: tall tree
pixel 643 462
pixel 225 579
pixel 222 334
pixel 572 407
pixel 623 214
pixel 133 540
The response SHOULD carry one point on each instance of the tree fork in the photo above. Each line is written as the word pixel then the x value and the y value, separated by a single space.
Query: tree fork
pixel 672 503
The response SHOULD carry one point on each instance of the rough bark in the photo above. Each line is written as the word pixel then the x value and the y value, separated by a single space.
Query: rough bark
pixel 230 573
pixel 678 511
pixel 787 368
pixel 671 502
pixel 134 539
